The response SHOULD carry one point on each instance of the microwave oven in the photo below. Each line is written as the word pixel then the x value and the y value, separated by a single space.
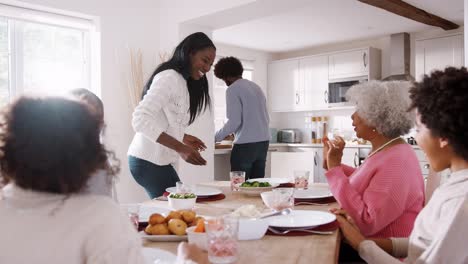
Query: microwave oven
pixel 337 89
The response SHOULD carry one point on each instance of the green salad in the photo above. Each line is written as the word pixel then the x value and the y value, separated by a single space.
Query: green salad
pixel 255 184
pixel 182 195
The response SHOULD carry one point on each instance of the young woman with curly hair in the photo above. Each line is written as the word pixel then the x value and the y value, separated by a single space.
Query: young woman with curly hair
pixel 440 234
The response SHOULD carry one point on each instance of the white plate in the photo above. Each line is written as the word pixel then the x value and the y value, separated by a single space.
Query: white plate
pixel 158 256
pixel 272 180
pixel 162 238
pixel 200 191
pixel 302 219
pixel 313 192
pixel 147 210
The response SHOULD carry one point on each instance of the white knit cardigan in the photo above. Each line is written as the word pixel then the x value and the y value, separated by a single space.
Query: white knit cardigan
pixel 165 108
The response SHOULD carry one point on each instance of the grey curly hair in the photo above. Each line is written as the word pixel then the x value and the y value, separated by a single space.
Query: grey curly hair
pixel 384 105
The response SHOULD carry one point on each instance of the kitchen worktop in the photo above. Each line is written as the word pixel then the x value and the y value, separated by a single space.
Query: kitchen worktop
pixel 226 149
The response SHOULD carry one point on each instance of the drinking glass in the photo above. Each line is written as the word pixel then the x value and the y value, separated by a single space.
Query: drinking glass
pixel 222 233
pixel 184 187
pixel 237 178
pixel 282 198
pixel 132 211
pixel 301 179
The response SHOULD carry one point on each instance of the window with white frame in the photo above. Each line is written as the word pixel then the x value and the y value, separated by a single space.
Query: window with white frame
pixel 219 93
pixel 44 52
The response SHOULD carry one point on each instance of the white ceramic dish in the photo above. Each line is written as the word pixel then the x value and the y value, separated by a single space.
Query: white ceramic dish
pixel 162 238
pixel 301 219
pixel 252 229
pixel 200 191
pixel 199 239
pixel 272 180
pixel 181 204
pixel 156 255
pixel 256 191
pixel 313 193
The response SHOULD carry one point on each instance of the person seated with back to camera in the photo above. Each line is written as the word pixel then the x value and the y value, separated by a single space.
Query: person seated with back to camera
pixel 101 183
pixel 440 234
pixel 50 147
pixel 384 194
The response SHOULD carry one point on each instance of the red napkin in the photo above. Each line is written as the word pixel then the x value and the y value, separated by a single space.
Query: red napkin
pixel 327 227
pixel 211 198
pixel 316 200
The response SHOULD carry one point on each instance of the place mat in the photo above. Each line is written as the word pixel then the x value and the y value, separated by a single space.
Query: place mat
pixel 326 200
pixel 211 198
pixel 327 227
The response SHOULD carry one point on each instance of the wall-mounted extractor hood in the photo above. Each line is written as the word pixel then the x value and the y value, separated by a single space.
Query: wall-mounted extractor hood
pixel 400 51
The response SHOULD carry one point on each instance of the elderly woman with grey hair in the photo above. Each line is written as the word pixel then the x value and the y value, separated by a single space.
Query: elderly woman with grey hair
pixel 385 194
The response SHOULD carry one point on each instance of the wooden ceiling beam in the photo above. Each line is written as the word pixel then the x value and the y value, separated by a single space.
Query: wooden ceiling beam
pixel 406 10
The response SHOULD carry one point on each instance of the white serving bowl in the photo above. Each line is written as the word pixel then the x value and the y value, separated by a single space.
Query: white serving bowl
pixel 199 239
pixel 252 228
pixel 181 204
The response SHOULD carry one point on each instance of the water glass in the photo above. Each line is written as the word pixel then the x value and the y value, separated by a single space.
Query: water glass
pixel 133 212
pixel 237 178
pixel 282 198
pixel 222 234
pixel 184 187
pixel 301 179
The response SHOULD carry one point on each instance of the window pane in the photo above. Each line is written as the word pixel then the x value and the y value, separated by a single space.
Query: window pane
pixel 53 58
pixel 4 63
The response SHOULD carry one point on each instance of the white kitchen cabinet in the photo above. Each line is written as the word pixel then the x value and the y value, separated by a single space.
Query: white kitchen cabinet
pixel 313 82
pixel 283 85
pixel 350 157
pixel 283 164
pixel 438 53
pixel 355 63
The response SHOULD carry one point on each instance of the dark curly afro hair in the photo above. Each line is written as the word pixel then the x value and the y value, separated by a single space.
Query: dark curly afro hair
pixel 228 67
pixel 441 99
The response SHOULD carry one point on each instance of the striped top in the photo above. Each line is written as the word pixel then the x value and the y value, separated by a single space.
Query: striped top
pixel 384 195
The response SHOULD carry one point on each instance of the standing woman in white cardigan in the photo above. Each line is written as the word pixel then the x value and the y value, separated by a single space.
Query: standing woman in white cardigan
pixel 175 94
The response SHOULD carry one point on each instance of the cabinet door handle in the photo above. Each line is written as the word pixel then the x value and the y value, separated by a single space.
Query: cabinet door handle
pixel 427 166
pixel 356 159
pixel 325 97
pixel 297 98
pixel 364 57
pixel 315 158
pixel 272 150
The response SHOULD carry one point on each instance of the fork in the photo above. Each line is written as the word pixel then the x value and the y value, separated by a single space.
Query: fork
pixel 278 232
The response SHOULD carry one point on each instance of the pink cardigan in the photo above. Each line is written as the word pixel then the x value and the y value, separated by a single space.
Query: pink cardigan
pixel 384 195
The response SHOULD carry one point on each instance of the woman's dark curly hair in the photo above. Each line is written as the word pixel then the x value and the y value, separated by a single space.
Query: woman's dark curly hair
pixel 51 144
pixel 441 99
pixel 228 67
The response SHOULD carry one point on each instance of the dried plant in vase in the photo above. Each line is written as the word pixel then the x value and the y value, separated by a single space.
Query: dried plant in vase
pixel 135 82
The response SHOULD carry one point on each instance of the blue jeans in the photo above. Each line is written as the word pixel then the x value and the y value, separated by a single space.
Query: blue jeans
pixel 251 158
pixel 154 178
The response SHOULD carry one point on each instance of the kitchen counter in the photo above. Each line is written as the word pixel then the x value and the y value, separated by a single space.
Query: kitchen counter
pixel 226 149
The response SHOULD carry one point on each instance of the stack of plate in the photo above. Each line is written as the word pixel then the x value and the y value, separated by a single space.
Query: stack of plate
pixel 200 191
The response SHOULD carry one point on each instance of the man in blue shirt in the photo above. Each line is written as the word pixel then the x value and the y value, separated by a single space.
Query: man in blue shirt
pixel 247 118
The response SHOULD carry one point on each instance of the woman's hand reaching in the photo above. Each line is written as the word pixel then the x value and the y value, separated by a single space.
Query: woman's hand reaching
pixel 194 142
pixel 190 155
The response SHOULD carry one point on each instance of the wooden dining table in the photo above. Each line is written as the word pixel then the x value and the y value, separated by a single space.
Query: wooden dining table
pixel 313 248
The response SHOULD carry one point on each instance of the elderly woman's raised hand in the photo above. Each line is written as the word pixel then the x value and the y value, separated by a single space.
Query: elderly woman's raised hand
pixel 334 152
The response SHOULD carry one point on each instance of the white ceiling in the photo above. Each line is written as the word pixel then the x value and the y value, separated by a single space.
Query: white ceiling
pixel 321 22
